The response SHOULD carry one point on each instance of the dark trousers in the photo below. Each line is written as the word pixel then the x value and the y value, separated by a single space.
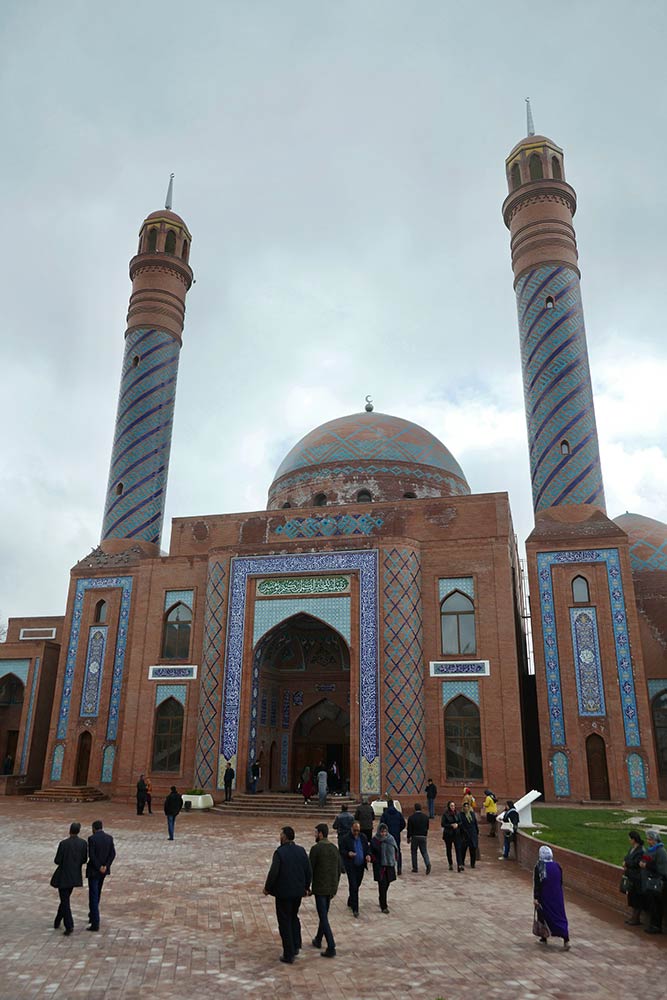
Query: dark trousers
pixel 399 858
pixel 368 834
pixel 64 910
pixel 228 793
pixel 383 887
pixel 355 876
pixel 457 848
pixel 171 821
pixel 654 904
pixel 289 925
pixel 141 802
pixel 419 844
pixel 324 928
pixel 94 893
pixel 149 800
pixel 467 848
pixel 431 808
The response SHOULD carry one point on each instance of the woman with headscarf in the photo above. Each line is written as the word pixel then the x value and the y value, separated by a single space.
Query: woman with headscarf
pixel 634 875
pixel 384 854
pixel 451 834
pixel 469 835
pixel 548 896
pixel 653 866
pixel 490 810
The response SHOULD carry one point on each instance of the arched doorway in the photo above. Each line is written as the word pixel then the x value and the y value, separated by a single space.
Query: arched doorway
pixel 463 740
pixel 598 776
pixel 659 712
pixel 300 667
pixel 83 759
pixel 11 706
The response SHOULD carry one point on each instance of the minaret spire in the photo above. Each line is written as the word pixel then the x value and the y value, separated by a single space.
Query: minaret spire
pixel 530 125
pixel 170 192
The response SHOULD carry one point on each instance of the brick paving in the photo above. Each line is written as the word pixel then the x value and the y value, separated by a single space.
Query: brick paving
pixel 188 919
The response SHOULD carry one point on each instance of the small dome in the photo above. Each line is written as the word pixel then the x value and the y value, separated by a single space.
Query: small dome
pixel 366 457
pixel 165 215
pixel 648 541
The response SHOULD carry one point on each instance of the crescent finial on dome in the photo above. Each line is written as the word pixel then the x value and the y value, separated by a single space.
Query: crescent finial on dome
pixel 369 405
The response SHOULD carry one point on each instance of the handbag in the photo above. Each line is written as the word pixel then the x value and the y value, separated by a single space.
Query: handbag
pixel 653 884
pixel 540 928
pixel 55 878
pixel 625 885
pixel 507 827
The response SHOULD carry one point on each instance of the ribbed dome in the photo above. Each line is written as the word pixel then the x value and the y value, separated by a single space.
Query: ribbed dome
pixel 648 541
pixel 375 452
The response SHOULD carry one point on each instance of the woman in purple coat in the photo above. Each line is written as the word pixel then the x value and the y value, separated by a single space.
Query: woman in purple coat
pixel 548 896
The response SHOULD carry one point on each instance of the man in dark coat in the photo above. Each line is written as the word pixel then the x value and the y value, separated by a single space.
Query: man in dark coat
pixel 288 881
pixel 142 795
pixel 356 855
pixel 431 793
pixel 172 806
pixel 101 852
pixel 395 823
pixel 326 866
pixel 417 834
pixel 71 856
pixel 343 824
pixel 451 834
pixel 366 816
pixel 227 780
pixel 469 834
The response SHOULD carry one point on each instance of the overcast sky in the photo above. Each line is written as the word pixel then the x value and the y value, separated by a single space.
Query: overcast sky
pixel 341 168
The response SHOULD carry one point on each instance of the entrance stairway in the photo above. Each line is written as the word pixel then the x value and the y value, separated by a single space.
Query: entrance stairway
pixel 68 793
pixel 284 804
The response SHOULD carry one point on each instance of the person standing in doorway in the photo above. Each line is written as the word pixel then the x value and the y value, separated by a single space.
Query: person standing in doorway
pixel 417 833
pixel 288 882
pixel 101 852
pixel 326 866
pixel 254 777
pixel 172 806
pixel 431 794
pixel 227 780
pixel 142 792
pixel 356 855
pixel 70 858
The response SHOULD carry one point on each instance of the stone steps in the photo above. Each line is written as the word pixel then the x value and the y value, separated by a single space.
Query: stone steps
pixel 68 793
pixel 284 804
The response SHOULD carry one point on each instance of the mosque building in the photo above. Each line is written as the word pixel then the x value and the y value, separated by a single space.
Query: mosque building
pixel 373 615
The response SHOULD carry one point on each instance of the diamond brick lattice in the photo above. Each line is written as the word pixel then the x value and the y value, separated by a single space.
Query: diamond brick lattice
pixel 211 677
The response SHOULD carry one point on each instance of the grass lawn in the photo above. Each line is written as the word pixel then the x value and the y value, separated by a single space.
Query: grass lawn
pixel 599 833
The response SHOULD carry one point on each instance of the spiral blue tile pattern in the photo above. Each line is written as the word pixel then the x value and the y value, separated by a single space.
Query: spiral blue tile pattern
pixel 557 390
pixel 142 442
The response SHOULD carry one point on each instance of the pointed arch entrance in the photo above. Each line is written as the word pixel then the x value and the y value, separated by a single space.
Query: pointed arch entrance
pixel 83 758
pixel 598 776
pixel 12 692
pixel 301 698
pixel 659 713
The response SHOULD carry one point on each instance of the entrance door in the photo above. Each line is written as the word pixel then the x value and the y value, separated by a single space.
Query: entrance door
pixel 12 743
pixel 598 777
pixel 83 759
pixel 659 708
pixel 321 735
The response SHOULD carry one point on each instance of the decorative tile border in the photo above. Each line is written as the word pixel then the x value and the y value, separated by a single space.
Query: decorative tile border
pixel 366 563
pixel 462 668
pixel 328 527
pixel 173 597
pixel 286 708
pixel 92 679
pixel 96 583
pixel 28 721
pixel 57 762
pixel 335 611
pixel 184 673
pixel 610 557
pixel 206 764
pixel 108 758
pixel 284 760
pixel 636 776
pixel 20 669
pixel 452 689
pixel 656 686
pixel 288 585
pixel 466 584
pixel 560 768
pixel 164 691
pixel 587 666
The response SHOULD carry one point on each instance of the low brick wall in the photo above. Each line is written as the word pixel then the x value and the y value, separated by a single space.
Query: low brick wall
pixel 596 879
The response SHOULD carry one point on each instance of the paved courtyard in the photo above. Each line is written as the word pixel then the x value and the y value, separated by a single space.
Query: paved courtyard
pixel 188 919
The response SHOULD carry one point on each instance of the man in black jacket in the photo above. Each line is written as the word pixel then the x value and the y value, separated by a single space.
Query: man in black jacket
pixel 172 806
pixel 70 857
pixel 288 881
pixel 417 834
pixel 101 852
pixel 227 781
pixel 356 854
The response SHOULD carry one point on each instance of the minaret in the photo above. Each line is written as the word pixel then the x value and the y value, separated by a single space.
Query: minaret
pixel 564 454
pixel 161 276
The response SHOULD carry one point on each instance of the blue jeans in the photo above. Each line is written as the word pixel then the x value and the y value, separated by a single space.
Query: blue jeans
pixel 171 820
pixel 509 837
pixel 324 928
pixel 431 808
pixel 94 893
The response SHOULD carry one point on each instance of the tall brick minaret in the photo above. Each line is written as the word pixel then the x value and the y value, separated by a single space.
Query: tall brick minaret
pixel 161 277
pixel 564 455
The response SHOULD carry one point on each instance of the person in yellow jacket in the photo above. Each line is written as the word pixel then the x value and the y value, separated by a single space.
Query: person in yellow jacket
pixel 491 810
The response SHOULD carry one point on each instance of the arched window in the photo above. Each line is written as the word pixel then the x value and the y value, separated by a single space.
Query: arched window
pixel 101 612
pixel 535 168
pixel 11 690
pixel 119 489
pixel 409 496
pixel 135 361
pixel 659 710
pixel 152 240
pixel 580 592
pixel 565 447
pixel 184 251
pixel 556 171
pixel 176 636
pixel 457 623
pixel 168 736
pixel 463 740
pixel 170 242
pixel 364 496
pixel 516 176
pixel 549 302
pixel 320 500
pixel 287 505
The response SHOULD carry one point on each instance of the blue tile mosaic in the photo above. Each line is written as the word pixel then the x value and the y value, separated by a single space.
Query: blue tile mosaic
pixel 210 683
pixel 172 597
pixel 656 687
pixel 452 689
pixel 448 668
pixel 57 762
pixel 637 776
pixel 466 584
pixel 172 673
pixel 108 758
pixel 587 666
pixel 335 611
pixel 273 712
pixel 626 683
pixel 284 760
pixel 286 708
pixel 290 585
pixel 28 722
pixel 164 691
pixel 560 769
pixel 328 527
pixel 19 668
pixel 92 679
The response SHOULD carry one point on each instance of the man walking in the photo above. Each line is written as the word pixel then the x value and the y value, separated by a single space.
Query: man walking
pixel 356 855
pixel 101 852
pixel 70 858
pixel 172 806
pixel 227 780
pixel 431 793
pixel 288 881
pixel 326 866
pixel 417 834
pixel 364 813
pixel 343 824
pixel 395 824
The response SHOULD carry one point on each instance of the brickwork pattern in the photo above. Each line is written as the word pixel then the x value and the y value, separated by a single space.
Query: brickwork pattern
pixel 210 684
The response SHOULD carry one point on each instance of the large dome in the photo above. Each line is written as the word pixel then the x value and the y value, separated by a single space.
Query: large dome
pixel 648 541
pixel 362 457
